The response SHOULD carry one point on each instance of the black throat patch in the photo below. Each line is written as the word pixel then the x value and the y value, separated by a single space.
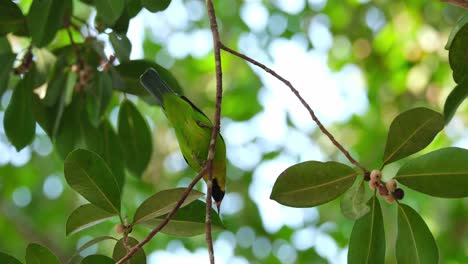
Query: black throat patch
pixel 218 194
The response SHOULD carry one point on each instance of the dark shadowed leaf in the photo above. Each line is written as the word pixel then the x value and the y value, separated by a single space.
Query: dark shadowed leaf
pixel 135 137
pixel 19 122
pixel 37 254
pixel 11 19
pixel 99 95
pixel 84 217
pixel 109 10
pixel 367 241
pixel 45 18
pixel 353 204
pixel 415 243
pixel 155 5
pixel 67 126
pixel 188 221
pixel 410 132
pixel 120 251
pixel 162 203
pixel 460 23
pixel 454 99
pixel 97 259
pixel 89 175
pixel 312 183
pixel 7 259
pixel 7 58
pixel 441 173
pixel 458 54
pixel 122 46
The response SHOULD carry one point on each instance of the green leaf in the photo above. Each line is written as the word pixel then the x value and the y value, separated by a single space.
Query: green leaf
pixel 461 22
pixel 44 61
pixel 410 132
pixel 11 19
pixel 155 5
pixel 99 95
pixel 441 173
pixel 109 10
pixel 6 67
pixel 7 259
pixel 120 251
pixel 367 241
pixel 162 203
pixel 122 46
pixel 133 8
pixel 89 175
pixel 135 137
pixel 84 217
pixel 415 243
pixel 188 221
pixel 353 204
pixel 97 259
pixel 89 244
pixel 454 99
pixel 45 18
pixel 19 123
pixel 458 54
pixel 66 126
pixel 37 254
pixel 312 183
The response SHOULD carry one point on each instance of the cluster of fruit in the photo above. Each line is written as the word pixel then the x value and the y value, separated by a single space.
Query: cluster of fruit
pixel 388 189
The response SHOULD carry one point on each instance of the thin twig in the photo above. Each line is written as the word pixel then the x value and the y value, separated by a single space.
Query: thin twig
pixel 217 123
pixel 166 220
pixel 303 102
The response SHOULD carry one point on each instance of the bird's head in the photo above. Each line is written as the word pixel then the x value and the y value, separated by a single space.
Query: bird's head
pixel 218 193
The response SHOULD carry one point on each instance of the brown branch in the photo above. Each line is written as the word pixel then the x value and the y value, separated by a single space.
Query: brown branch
pixel 166 220
pixel 303 102
pixel 460 3
pixel 217 123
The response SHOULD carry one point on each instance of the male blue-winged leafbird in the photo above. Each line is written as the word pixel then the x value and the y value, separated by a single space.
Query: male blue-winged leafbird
pixel 192 128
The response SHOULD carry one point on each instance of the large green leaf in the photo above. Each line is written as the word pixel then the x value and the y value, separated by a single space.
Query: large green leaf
pixel 162 203
pixel 415 243
pixel 88 174
pixel 66 126
pixel 109 10
pixel 135 137
pixel 97 259
pixel 45 18
pixel 19 122
pixel 84 217
pixel 120 251
pixel 312 183
pixel 353 204
pixel 37 254
pixel 155 5
pixel 11 19
pixel 121 45
pixel 99 95
pixel 7 259
pixel 454 99
pixel 367 241
pixel 458 54
pixel 441 173
pixel 188 221
pixel 410 132
pixel 460 23
pixel 89 244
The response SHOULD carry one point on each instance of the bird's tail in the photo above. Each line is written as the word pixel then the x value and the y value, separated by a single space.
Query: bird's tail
pixel 156 86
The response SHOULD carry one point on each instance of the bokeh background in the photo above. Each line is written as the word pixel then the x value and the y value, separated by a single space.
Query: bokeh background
pixel 358 63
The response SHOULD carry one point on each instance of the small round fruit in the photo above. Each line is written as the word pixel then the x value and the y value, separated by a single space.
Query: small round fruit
pixel 391 185
pixel 376 175
pixel 367 176
pixel 399 194
pixel 383 190
pixel 374 184
pixel 389 198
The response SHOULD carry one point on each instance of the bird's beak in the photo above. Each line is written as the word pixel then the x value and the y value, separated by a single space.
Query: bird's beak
pixel 218 206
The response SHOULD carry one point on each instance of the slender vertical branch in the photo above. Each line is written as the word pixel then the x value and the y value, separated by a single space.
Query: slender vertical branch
pixel 303 102
pixel 217 121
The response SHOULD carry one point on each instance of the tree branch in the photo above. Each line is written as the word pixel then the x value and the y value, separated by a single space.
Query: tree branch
pixel 303 102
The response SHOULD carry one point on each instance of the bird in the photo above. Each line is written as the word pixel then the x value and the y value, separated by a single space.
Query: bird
pixel 193 131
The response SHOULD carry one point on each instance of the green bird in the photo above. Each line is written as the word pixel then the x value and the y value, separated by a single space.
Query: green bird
pixel 193 131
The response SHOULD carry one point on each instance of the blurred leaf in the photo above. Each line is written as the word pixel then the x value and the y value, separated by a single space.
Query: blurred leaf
pixel 89 244
pixel 155 5
pixel 84 217
pixel 461 22
pixel 133 7
pixel 44 60
pixel 188 221
pixel 353 204
pixel 109 10
pixel 56 84
pixel 415 243
pixel 37 254
pixel 99 95
pixel 458 54
pixel 122 46
pixel 162 203
pixel 7 259
pixel 135 137
pixel 97 259
pixel 410 132
pixel 11 19
pixel 69 86
pixel 66 126
pixel 19 122
pixel 367 241
pixel 45 18
pixel 454 99
pixel 312 183
pixel 120 251
pixel 89 175
pixel 441 173
pixel 7 58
